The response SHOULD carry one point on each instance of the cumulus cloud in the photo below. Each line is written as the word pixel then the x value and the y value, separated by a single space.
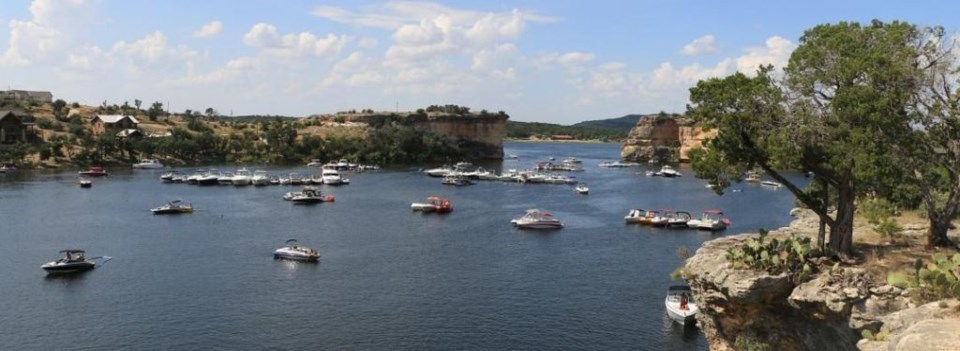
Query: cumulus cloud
pixel 51 30
pixel 266 37
pixel 208 30
pixel 705 45
pixel 776 52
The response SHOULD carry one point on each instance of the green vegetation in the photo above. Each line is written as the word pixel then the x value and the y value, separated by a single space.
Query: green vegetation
pixel 748 343
pixel 937 279
pixel 525 130
pixel 845 108
pixel 882 335
pixel 879 213
pixel 624 123
pixel 790 256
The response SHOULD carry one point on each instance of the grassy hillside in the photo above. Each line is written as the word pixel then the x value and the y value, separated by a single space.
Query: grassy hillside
pixel 624 123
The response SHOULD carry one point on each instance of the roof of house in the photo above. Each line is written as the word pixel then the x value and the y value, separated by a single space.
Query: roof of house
pixel 25 118
pixel 115 118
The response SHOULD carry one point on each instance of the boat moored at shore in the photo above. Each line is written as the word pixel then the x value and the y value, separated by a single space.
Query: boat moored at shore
pixel 680 305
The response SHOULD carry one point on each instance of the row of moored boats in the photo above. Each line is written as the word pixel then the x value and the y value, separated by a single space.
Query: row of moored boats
pixel 244 177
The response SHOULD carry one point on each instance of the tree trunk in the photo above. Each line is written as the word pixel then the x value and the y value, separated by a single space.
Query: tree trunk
pixel 937 233
pixel 841 233
pixel 821 236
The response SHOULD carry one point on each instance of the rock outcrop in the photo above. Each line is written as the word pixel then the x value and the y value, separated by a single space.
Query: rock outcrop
pixel 827 312
pixel 662 138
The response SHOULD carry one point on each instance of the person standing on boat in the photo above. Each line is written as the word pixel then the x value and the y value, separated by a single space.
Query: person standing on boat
pixel 683 301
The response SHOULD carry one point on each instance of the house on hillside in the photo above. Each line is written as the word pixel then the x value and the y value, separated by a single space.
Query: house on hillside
pixel 14 126
pixel 27 95
pixel 114 124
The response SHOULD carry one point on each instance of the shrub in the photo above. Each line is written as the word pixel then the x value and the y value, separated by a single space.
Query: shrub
pixel 937 279
pixel 788 256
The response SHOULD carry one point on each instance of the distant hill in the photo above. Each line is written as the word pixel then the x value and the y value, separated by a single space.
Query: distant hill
pixel 526 130
pixel 624 123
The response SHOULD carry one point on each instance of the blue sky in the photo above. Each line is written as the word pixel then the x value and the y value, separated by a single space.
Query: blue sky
pixel 538 60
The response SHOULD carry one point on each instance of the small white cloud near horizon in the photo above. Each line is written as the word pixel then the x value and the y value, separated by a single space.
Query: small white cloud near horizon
pixel 705 45
pixel 209 30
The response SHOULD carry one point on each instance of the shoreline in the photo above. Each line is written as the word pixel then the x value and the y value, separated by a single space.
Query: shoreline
pixel 592 141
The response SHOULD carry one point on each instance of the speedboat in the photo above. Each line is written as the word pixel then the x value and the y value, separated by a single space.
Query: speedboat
pixel 331 177
pixel 149 163
pixel 680 305
pixel 309 195
pixel 679 219
pixel 195 177
pixel 662 218
pixel 537 219
pixel 316 179
pixel 582 189
pixel 618 164
pixel 168 177
pixel 439 172
pixel 8 168
pixel 94 171
pixel 712 220
pixel 315 163
pixel 274 180
pixel 434 204
pixel 771 184
pixel 295 252
pixel 511 157
pixel 242 177
pixel 296 179
pixel 456 180
pixel 225 178
pixel 343 165
pixel 635 216
pixel 665 171
pixel 173 207
pixel 260 178
pixel 571 160
pixel 85 183
pixel 211 177
pixel 71 261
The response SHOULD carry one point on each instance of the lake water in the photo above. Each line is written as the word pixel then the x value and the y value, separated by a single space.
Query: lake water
pixel 387 278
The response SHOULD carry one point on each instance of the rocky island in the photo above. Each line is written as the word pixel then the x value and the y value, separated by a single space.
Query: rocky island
pixel 662 138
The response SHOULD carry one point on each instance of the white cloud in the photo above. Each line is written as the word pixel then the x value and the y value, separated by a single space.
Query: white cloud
pixel 208 30
pixel 51 30
pixel 368 43
pixel 266 37
pixel 705 45
pixel 776 52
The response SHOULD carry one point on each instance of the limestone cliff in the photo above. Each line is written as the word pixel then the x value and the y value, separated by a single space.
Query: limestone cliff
pixel 480 133
pixel 662 138
pixel 827 312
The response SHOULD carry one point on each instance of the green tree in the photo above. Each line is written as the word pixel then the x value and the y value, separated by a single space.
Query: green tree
pixel 59 108
pixel 155 110
pixel 932 151
pixel 845 85
pixel 137 103
pixel 211 112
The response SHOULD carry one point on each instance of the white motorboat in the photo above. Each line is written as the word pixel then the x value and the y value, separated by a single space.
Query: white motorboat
pixel 434 204
pixel 456 180
pixel 168 177
pixel 511 157
pixel 309 195
pixel 225 178
pixel 211 177
pixel 331 177
pixel 8 168
pixel 582 189
pixel 680 305
pixel 665 171
pixel 314 163
pixel 559 179
pixel 343 165
pixel 712 220
pixel 572 160
pixel 149 163
pixel 71 261
pixel 274 180
pixel 439 172
pixel 260 178
pixel 618 164
pixel 242 177
pixel 752 177
pixel 173 207
pixel 85 183
pixel 679 219
pixel 537 219
pixel 296 179
pixel 771 184
pixel 316 179
pixel 635 216
pixel 293 251
pixel 195 177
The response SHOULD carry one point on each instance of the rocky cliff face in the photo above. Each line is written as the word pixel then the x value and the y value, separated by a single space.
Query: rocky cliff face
pixel 481 134
pixel 662 138
pixel 827 312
